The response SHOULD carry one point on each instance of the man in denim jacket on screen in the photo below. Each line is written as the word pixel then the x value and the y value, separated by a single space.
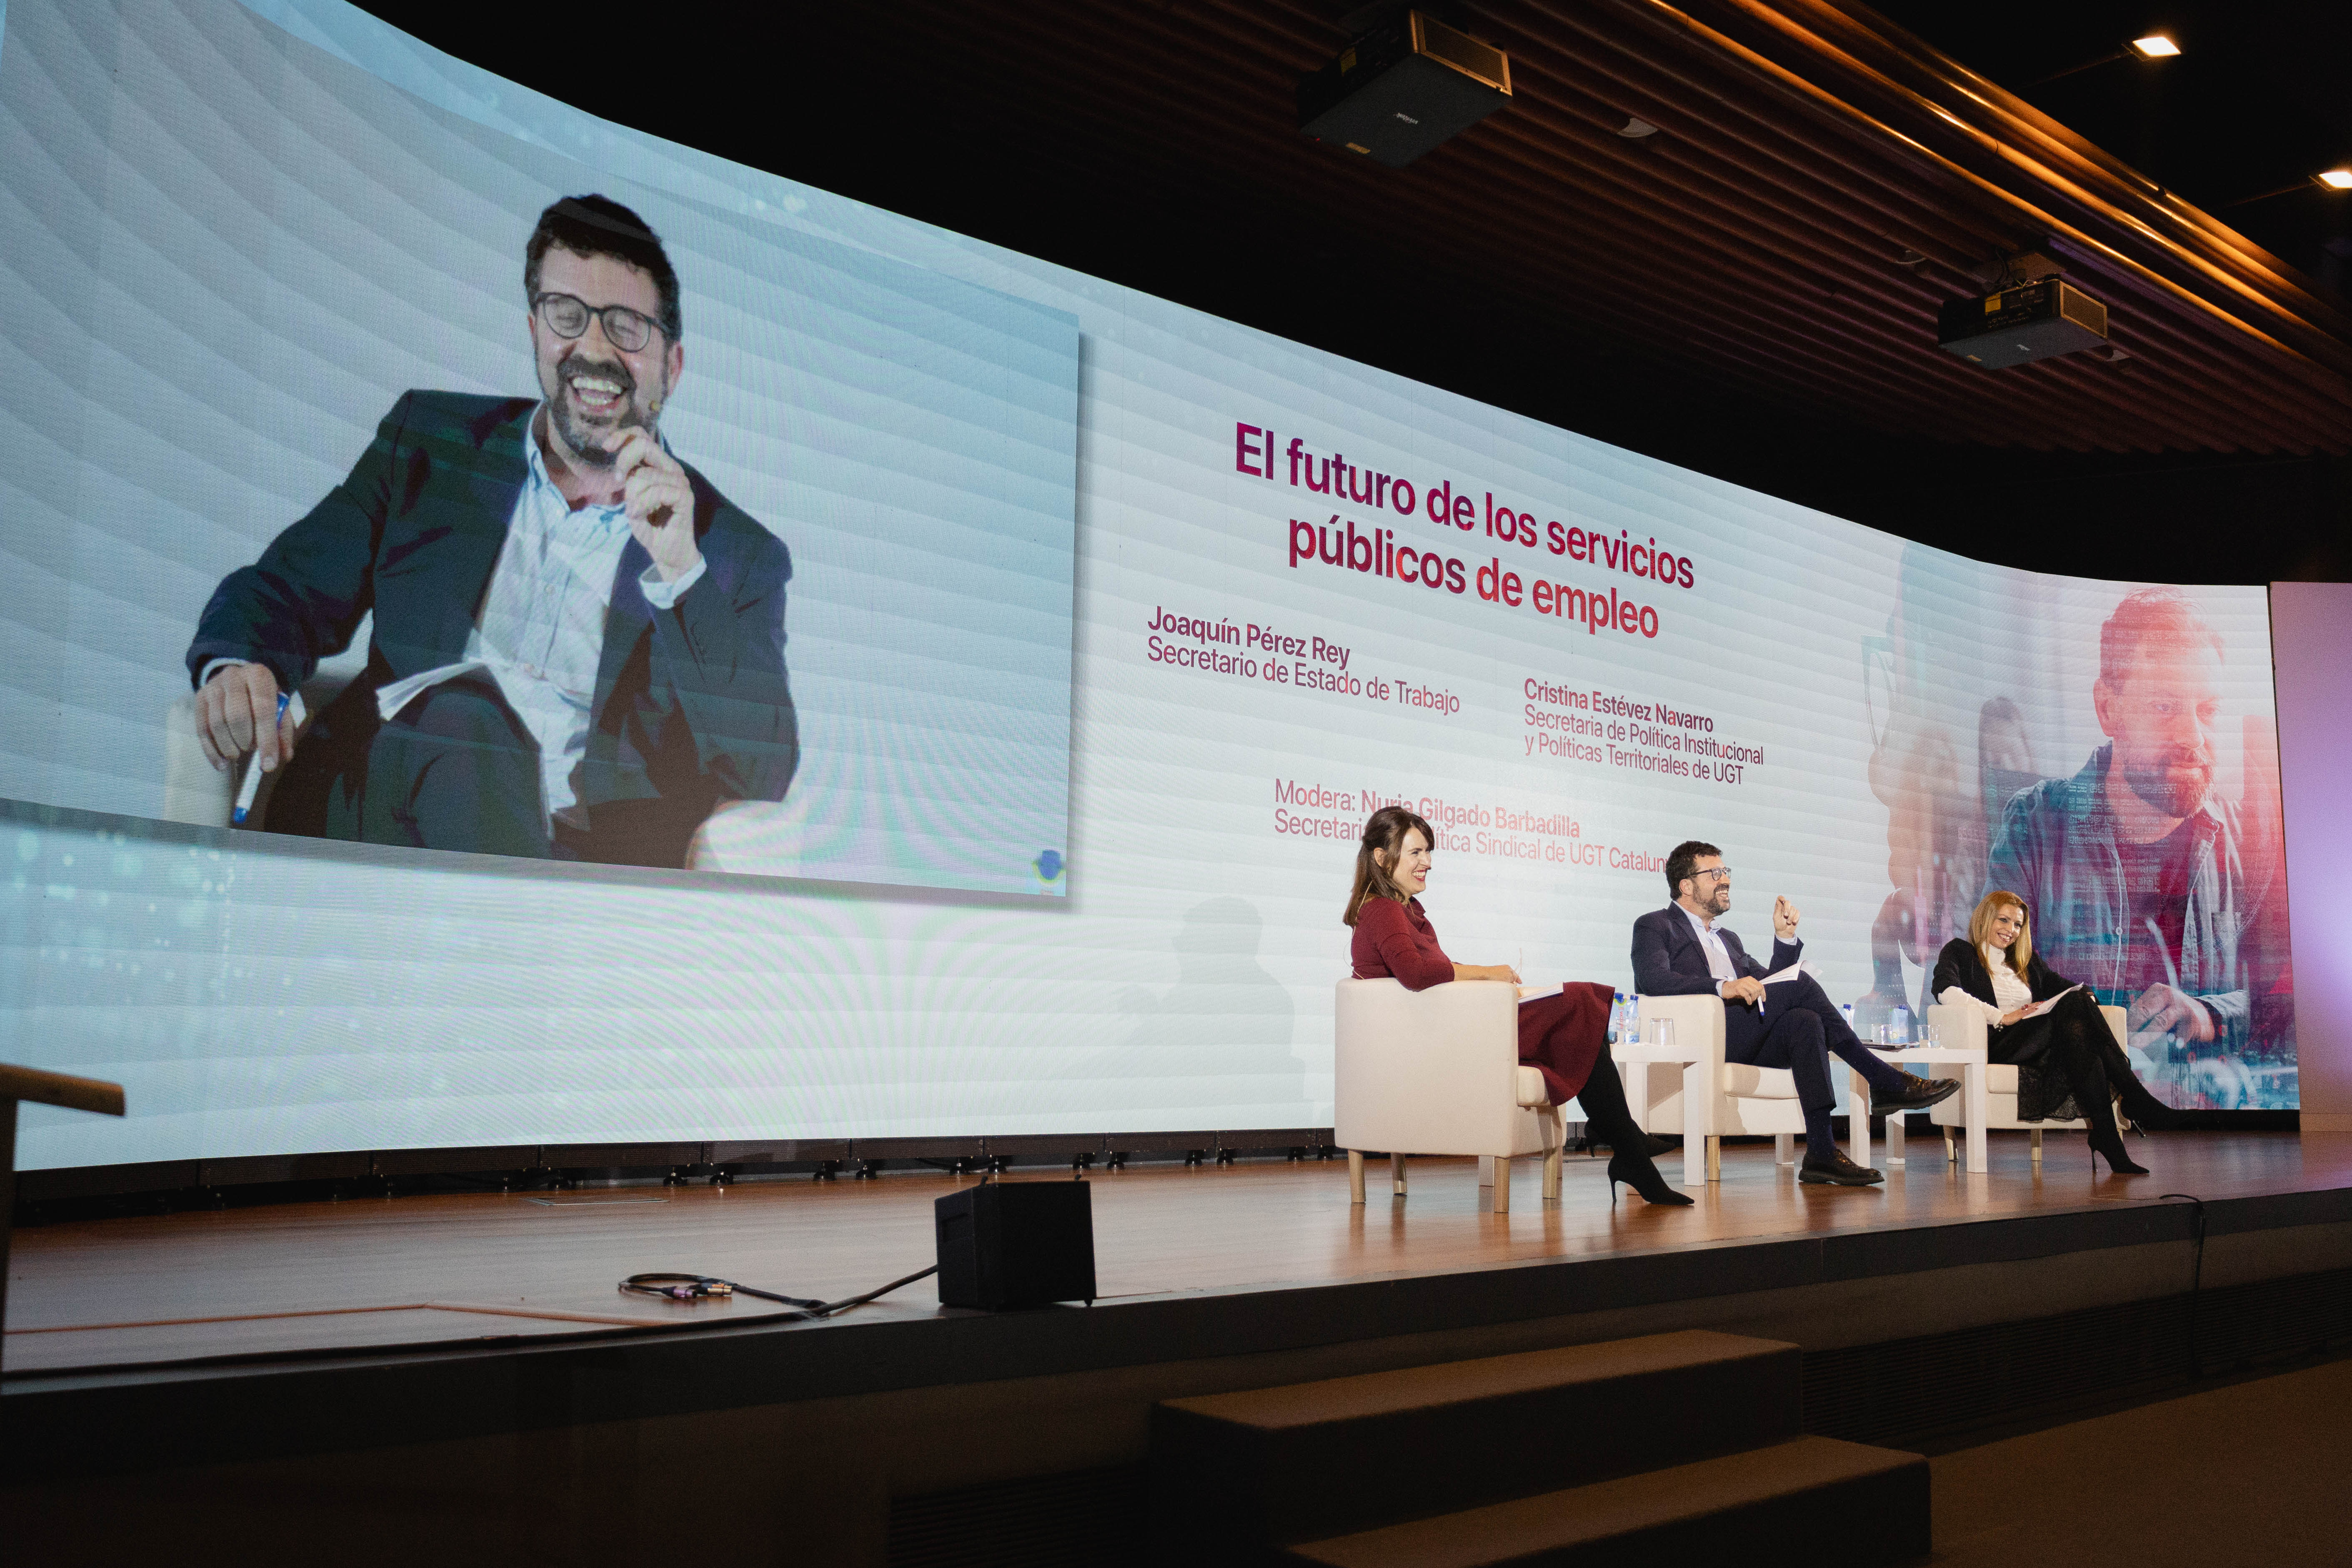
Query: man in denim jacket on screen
pixel 2133 873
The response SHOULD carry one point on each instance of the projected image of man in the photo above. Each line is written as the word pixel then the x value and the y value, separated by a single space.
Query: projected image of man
pixel 1683 950
pixel 577 644
pixel 2133 870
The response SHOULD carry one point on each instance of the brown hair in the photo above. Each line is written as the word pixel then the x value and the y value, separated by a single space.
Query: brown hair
pixel 2020 952
pixel 599 225
pixel 2165 619
pixel 1683 860
pixel 1383 834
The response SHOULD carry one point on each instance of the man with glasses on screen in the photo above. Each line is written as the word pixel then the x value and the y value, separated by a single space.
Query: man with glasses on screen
pixel 2136 877
pixel 578 647
pixel 1682 951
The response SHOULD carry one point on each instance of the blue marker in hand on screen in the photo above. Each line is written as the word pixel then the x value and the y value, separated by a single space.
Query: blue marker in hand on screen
pixel 250 790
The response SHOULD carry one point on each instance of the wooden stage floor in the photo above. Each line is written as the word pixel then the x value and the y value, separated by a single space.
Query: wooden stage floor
pixel 362 1274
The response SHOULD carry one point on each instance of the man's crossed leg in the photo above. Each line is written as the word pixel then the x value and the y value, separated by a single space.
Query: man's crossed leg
pixel 1797 1027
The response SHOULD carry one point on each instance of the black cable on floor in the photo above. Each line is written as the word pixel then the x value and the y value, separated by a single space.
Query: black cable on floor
pixel 706 1287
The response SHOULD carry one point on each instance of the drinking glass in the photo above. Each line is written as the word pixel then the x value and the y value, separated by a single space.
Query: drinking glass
pixel 1661 1033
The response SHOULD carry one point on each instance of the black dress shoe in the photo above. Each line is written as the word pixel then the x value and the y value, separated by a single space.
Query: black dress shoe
pixel 1838 1172
pixel 1921 1093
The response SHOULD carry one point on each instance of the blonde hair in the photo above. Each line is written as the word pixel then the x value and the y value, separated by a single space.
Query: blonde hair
pixel 2020 952
pixel 1384 836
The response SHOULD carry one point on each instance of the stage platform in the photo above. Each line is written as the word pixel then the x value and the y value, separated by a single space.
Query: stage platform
pixel 215 1352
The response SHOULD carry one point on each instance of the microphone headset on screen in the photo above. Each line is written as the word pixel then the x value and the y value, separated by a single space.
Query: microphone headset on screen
pixel 690 1288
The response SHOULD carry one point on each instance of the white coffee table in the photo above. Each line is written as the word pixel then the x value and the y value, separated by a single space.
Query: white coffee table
pixel 1698 1101
pixel 1972 1101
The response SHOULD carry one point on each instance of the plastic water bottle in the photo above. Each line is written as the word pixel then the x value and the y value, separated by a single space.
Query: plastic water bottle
pixel 1633 1016
pixel 1845 1010
pixel 1901 1019
pixel 1617 1017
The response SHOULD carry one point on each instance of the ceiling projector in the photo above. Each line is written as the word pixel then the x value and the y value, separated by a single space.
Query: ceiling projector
pixel 2033 321
pixel 1402 89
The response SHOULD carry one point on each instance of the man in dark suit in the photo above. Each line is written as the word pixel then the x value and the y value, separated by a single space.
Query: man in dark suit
pixel 578 647
pixel 1680 951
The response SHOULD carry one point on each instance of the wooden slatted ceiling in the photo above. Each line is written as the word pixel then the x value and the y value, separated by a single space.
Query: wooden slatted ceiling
pixel 1805 146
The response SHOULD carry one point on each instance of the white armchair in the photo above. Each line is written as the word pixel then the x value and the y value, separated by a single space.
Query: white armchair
pixel 757 836
pixel 1966 1028
pixel 193 791
pixel 1437 1072
pixel 1748 1099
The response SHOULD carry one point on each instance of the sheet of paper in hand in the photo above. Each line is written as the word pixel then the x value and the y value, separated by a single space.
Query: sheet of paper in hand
pixel 2039 1008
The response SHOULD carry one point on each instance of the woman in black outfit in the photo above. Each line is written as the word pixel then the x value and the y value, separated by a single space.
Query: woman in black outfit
pixel 2065 1054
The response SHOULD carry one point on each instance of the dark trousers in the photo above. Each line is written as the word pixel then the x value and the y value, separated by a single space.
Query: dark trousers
pixel 456 770
pixel 1798 1028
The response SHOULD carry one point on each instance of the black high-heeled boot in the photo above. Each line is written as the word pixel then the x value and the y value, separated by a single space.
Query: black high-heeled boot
pixel 1612 1120
pixel 2082 1061
pixel 2143 1109
pixel 1639 1171
pixel 2107 1140
pixel 2093 1042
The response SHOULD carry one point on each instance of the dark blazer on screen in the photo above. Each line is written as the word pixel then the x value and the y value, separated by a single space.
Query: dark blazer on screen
pixel 692 706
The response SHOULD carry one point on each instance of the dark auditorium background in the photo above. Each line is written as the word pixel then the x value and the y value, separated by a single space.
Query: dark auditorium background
pixel 559 1213
pixel 1546 265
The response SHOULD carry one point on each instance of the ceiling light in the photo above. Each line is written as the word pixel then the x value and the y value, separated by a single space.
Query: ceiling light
pixel 2338 179
pixel 2155 47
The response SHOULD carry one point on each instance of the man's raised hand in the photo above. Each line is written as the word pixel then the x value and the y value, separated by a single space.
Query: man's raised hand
pixel 660 500
pixel 238 707
pixel 1785 916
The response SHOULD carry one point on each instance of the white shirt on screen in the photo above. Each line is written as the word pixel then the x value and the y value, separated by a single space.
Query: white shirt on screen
pixel 541 633
pixel 1718 957
pixel 2010 989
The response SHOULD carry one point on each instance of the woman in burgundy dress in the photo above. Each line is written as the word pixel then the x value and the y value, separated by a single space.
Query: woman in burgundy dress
pixel 1561 1037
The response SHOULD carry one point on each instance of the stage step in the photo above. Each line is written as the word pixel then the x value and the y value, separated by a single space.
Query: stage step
pixel 1809 1497
pixel 1318 1459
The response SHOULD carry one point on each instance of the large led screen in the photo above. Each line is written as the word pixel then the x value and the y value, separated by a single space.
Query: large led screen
pixel 1089 595
pixel 528 508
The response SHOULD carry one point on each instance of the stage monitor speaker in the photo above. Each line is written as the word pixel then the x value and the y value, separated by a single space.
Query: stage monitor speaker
pixel 2018 326
pixel 1022 1245
pixel 1403 88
